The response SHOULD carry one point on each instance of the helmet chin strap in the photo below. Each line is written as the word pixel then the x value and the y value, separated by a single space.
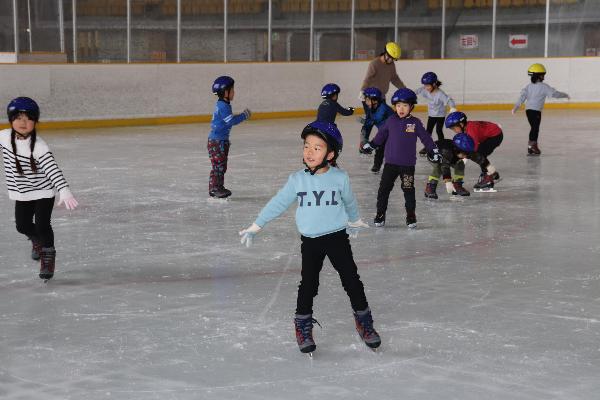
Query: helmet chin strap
pixel 313 171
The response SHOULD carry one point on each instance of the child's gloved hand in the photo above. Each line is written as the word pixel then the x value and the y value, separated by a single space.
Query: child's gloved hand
pixel 435 155
pixel 354 227
pixel 247 113
pixel 368 147
pixel 514 111
pixel 248 234
pixel 450 187
pixel 66 198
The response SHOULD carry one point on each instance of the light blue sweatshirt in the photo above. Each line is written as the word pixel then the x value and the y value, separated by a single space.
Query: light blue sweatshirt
pixel 325 202
pixel 436 101
pixel 535 95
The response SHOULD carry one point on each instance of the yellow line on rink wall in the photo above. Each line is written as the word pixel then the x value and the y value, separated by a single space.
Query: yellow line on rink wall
pixel 308 114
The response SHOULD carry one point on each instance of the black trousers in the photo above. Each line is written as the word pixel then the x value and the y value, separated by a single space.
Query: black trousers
pixel 336 246
pixel 488 146
pixel 41 230
pixel 388 178
pixel 378 159
pixel 535 119
pixel 438 123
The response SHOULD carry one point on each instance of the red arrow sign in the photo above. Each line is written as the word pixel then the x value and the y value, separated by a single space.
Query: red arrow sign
pixel 518 41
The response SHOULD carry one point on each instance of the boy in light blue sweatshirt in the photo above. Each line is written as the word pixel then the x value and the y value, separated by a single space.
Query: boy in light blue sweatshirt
pixel 218 138
pixel 327 209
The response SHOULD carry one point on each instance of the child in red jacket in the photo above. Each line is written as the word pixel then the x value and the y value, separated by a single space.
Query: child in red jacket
pixel 476 140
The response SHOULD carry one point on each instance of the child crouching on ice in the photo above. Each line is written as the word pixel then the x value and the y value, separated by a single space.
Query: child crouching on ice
pixel 475 141
pixel 326 205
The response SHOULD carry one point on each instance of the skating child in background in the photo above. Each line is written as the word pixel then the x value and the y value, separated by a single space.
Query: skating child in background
pixel 534 95
pixel 377 113
pixel 437 101
pixel 448 159
pixel 400 133
pixel 476 140
pixel 329 108
pixel 326 204
pixel 218 138
pixel 33 179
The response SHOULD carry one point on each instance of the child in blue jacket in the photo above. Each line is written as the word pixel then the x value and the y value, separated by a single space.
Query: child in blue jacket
pixel 327 209
pixel 377 113
pixel 218 138
pixel 330 108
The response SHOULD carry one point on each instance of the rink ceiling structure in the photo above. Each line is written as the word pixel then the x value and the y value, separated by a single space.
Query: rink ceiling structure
pixel 154 297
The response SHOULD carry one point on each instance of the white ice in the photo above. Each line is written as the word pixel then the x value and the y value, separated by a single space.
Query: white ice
pixel 493 297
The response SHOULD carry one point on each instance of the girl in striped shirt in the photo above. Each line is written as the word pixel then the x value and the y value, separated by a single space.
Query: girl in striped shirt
pixel 33 179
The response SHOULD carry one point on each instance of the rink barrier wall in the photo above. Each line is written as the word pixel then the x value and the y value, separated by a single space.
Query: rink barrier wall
pixel 106 95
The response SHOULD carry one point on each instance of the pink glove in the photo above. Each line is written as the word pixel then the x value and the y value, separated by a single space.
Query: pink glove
pixel 66 197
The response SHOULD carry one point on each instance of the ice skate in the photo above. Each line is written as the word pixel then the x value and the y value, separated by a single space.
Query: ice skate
pixel 219 195
pixel 411 219
pixel 430 192
pixel 379 220
pixel 36 248
pixel 533 149
pixel 364 327
pixel 485 184
pixel 47 262
pixel 423 152
pixel 303 325
pixel 375 169
pixel 459 190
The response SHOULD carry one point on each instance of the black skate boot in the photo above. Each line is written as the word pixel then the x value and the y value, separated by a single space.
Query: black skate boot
pixel 220 193
pixel 303 325
pixel 430 189
pixel 379 220
pixel 423 152
pixel 496 176
pixel 485 183
pixel 459 190
pixel 411 219
pixel 364 327
pixel 533 149
pixel 36 248
pixel 47 260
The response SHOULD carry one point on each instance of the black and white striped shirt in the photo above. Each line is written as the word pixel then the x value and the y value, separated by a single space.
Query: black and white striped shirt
pixel 45 183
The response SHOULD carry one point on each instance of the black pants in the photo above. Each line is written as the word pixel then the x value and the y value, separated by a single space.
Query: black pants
pixel 336 247
pixel 438 123
pixel 388 178
pixel 378 159
pixel 535 119
pixel 488 146
pixel 41 230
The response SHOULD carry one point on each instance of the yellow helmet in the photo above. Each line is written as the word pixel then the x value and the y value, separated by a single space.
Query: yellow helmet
pixel 393 50
pixel 536 69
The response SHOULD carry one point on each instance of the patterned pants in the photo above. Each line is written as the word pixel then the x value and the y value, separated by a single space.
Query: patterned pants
pixel 218 150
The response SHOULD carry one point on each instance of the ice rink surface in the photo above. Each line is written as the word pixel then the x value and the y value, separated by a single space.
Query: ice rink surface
pixel 493 297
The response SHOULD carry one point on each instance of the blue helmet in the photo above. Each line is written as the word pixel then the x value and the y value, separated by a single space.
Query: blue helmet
pixel 464 142
pixel 23 105
pixel 329 90
pixel 328 132
pixel 429 78
pixel 404 95
pixel 221 84
pixel 373 93
pixel 455 118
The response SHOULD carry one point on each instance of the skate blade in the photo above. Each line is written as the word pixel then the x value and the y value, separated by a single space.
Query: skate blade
pixel 412 226
pixel 217 200
pixel 491 190
pixel 456 197
pixel 379 224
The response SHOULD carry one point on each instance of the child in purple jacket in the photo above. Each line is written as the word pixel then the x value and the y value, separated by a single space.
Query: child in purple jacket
pixel 399 134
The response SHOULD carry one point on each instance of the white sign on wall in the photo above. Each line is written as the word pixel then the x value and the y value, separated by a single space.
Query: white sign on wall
pixel 469 41
pixel 518 41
